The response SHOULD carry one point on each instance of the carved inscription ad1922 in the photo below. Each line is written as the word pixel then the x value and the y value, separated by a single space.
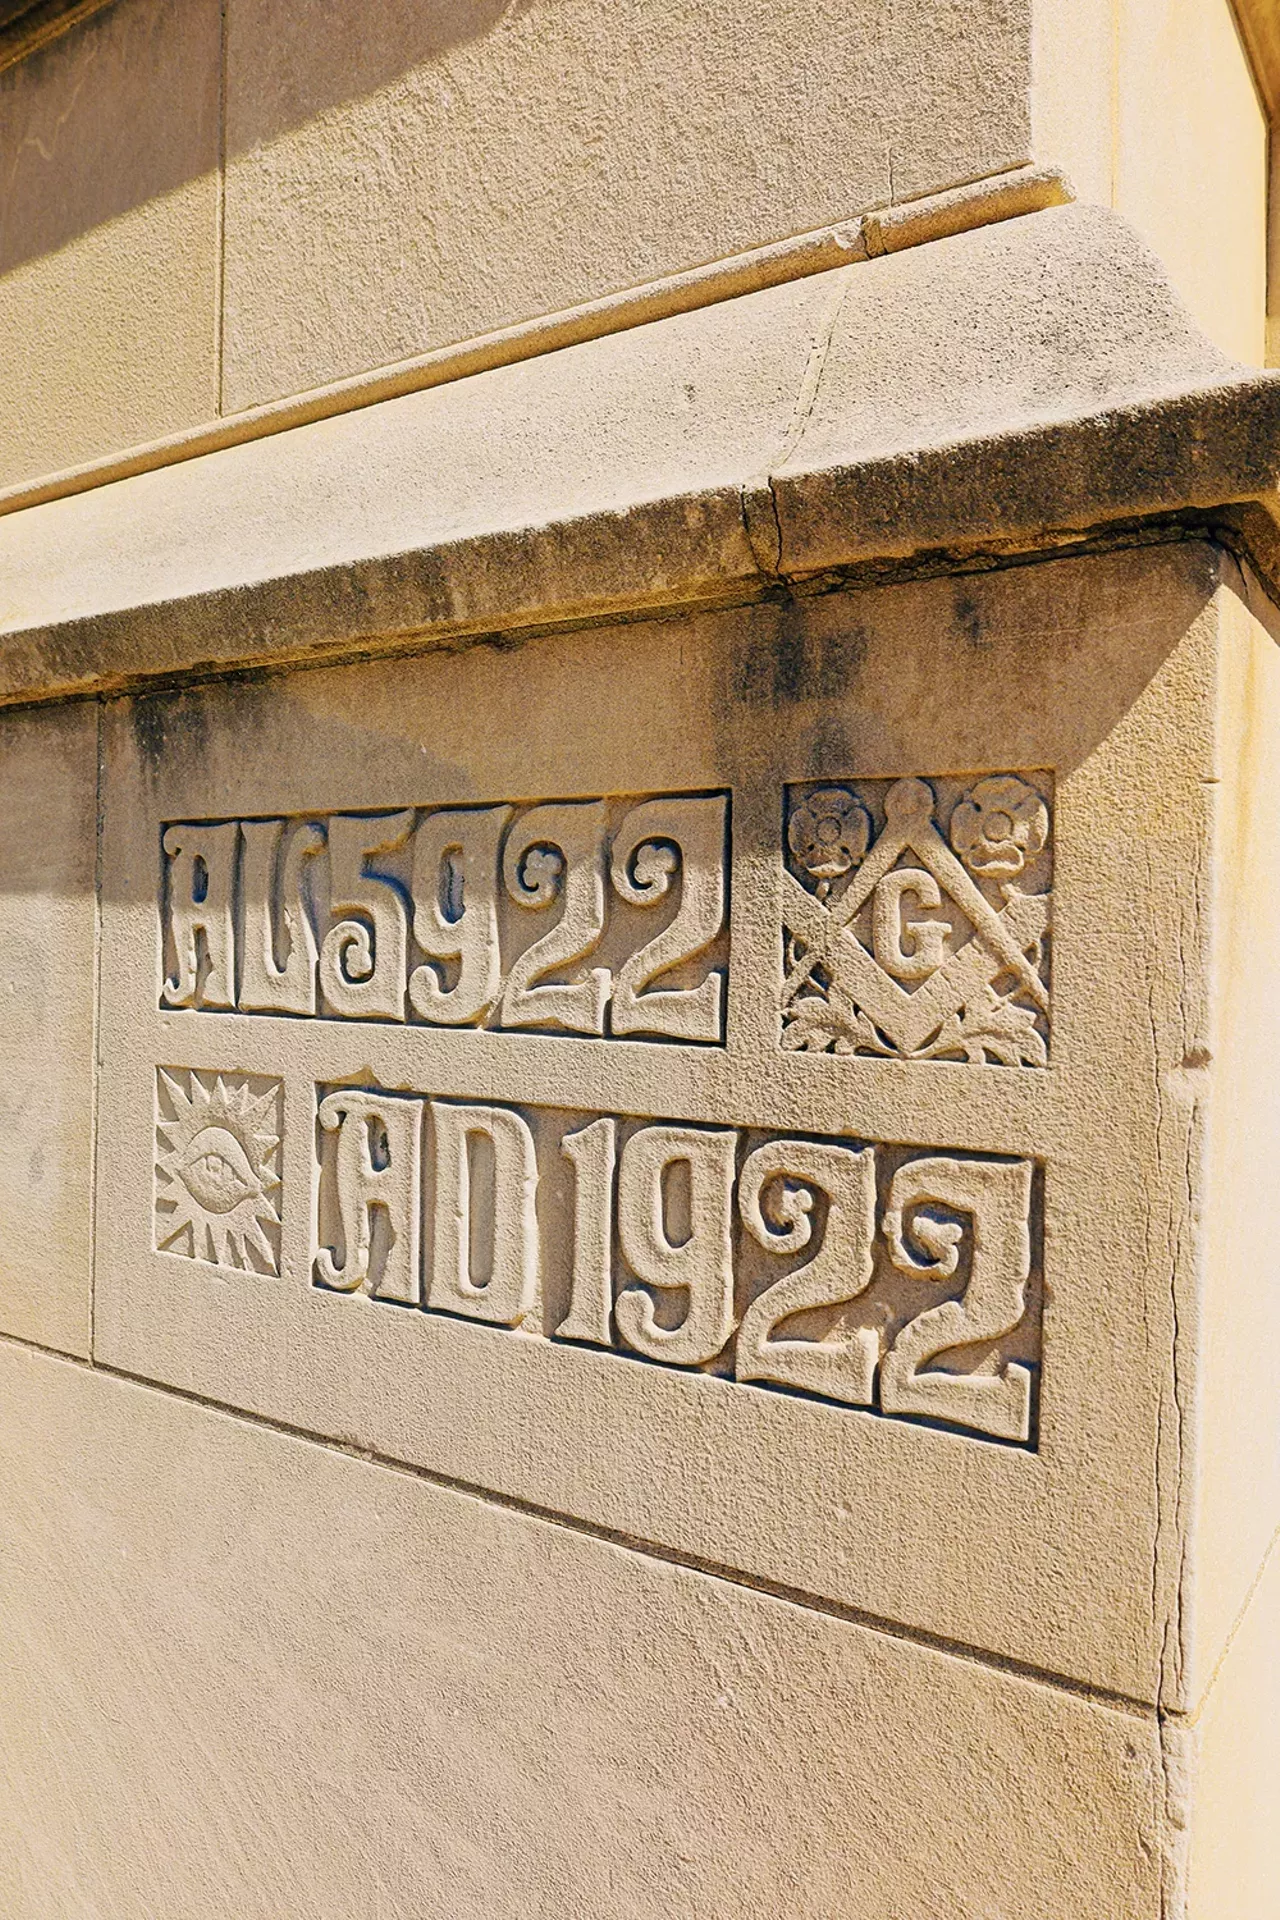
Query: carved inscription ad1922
pixel 876 1277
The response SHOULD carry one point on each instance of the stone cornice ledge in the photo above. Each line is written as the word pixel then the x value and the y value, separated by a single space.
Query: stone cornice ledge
pixel 1260 30
pixel 28 25
pixel 1024 388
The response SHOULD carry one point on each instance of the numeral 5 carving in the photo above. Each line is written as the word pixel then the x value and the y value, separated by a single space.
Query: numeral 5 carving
pixel 363 961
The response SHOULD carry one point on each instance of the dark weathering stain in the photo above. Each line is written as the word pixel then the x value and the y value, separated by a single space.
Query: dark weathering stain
pixel 148 718
pixel 794 663
pixel 969 619
pixel 167 726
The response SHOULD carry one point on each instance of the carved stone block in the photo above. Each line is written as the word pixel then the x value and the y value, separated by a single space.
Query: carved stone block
pixel 217 1179
pixel 705 1079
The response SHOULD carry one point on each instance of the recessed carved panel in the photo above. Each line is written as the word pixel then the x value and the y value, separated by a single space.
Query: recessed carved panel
pixel 916 918
pixel 603 917
pixel 887 1279
pixel 217 1173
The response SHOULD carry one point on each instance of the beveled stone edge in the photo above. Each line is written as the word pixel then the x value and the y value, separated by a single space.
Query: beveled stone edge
pixel 1202 463
pixel 1259 23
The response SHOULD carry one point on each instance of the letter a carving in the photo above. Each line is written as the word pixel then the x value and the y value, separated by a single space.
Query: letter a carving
pixel 201 863
pixel 379 1173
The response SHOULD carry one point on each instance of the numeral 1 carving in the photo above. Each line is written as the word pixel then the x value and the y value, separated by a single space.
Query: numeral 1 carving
pixel 593 1153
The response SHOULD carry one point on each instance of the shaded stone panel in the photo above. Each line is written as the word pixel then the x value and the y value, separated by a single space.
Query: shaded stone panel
pixel 48 850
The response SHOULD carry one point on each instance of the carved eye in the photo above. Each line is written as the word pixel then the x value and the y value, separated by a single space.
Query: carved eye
pixel 216 1172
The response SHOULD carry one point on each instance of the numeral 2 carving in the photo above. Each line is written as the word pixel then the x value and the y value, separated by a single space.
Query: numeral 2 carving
pixel 840 1270
pixel 996 1196
pixel 658 838
pixel 558 849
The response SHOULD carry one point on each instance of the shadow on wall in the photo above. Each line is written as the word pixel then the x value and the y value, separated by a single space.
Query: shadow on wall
pixel 126 106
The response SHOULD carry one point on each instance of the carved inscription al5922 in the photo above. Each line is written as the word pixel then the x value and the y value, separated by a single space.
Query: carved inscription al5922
pixel 916 918
pixel 604 918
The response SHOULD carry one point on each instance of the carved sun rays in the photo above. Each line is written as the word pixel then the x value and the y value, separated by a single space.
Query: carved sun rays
pixel 217 1183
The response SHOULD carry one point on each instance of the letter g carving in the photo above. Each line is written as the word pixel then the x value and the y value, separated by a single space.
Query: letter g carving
pixel 928 938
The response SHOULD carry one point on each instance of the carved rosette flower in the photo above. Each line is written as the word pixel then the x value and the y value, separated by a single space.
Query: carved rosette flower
pixel 1000 826
pixel 829 833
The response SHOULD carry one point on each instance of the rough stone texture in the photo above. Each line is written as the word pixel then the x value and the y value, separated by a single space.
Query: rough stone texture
pixel 108 235
pixel 381 200
pixel 48 854
pixel 383 197
pixel 241 1673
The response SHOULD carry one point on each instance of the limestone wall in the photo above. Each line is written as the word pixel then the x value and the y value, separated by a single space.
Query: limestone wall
pixel 204 207
pixel 657 1608
pixel 637 1006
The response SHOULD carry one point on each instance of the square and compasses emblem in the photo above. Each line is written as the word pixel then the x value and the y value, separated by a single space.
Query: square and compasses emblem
pixel 916 918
